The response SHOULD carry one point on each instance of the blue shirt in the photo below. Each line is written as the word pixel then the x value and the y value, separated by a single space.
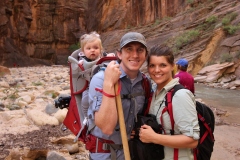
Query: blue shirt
pixel 131 107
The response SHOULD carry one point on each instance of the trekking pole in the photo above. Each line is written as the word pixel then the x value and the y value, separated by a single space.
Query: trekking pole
pixel 122 124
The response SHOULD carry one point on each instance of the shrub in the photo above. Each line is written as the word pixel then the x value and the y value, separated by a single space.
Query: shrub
pixel 186 37
pixel 37 83
pixel 237 55
pixel 229 18
pixel 1 74
pixel 211 19
pixel 230 29
pixel 190 1
pixel 157 22
pixel 74 47
pixel 226 58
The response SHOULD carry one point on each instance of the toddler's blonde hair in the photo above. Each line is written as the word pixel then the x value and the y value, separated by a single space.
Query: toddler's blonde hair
pixel 86 38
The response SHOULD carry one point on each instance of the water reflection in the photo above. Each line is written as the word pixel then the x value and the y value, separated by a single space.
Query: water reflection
pixel 224 99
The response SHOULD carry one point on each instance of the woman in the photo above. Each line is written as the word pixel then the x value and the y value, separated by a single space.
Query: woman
pixel 186 128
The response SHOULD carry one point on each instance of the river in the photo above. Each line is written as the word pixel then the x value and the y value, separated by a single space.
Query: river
pixel 224 99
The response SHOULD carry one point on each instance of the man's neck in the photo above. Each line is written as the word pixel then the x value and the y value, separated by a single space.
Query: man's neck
pixel 129 73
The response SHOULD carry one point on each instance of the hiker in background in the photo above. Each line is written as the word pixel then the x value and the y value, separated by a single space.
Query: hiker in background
pixel 186 128
pixel 103 118
pixel 185 78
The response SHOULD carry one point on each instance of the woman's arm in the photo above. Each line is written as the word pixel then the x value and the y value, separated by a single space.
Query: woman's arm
pixel 147 135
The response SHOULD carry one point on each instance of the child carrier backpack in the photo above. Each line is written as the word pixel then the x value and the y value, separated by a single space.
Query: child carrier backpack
pixel 206 121
pixel 79 80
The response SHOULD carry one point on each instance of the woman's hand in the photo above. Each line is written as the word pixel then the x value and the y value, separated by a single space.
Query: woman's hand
pixel 146 134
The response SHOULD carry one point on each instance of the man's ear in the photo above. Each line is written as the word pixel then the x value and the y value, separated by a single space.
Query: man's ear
pixel 119 54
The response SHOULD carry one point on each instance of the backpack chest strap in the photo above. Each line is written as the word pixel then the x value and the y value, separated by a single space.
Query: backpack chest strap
pixel 133 95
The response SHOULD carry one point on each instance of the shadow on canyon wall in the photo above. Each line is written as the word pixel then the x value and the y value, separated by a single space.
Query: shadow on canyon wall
pixel 44 32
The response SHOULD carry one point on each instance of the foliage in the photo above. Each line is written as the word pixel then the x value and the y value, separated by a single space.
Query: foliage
pixel 208 24
pixel 157 22
pixel 229 18
pixel 51 93
pixel 175 51
pixel 234 4
pixel 74 47
pixel 230 29
pixel 226 58
pixel 211 19
pixel 210 63
pixel 1 74
pixel 14 95
pixel 37 83
pixel 186 37
pixel 190 1
pixel 11 94
pixel 237 55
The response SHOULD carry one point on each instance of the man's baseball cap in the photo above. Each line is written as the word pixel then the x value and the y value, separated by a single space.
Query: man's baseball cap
pixel 132 37
pixel 182 62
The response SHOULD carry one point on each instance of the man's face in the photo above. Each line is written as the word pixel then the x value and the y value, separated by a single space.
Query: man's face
pixel 132 56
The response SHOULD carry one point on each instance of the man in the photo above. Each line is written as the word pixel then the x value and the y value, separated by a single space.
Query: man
pixel 105 141
pixel 185 78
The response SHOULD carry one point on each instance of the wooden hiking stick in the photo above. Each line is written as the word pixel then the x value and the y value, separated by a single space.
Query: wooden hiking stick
pixel 122 124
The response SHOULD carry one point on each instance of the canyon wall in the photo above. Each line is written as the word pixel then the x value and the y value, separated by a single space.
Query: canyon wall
pixel 41 31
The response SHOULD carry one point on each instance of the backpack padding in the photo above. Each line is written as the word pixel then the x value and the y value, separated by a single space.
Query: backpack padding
pixel 104 59
pixel 72 120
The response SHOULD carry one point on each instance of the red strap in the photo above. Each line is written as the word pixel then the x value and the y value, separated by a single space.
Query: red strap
pixel 110 95
pixel 208 131
pixel 163 111
pixel 146 87
pixel 148 93
pixel 170 112
pixel 195 153
pixel 175 157
pixel 148 105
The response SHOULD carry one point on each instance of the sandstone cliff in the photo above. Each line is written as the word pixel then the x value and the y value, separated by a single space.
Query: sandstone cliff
pixel 41 31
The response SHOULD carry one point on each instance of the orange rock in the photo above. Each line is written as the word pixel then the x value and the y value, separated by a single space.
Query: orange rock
pixel 4 71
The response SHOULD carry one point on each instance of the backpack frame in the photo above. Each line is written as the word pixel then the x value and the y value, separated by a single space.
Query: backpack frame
pixel 79 80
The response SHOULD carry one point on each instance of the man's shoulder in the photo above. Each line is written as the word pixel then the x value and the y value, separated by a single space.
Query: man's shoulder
pixel 98 76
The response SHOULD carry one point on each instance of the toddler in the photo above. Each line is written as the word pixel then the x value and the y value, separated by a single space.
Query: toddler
pixel 90 52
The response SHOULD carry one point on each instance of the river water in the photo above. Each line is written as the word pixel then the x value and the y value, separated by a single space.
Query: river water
pixel 224 99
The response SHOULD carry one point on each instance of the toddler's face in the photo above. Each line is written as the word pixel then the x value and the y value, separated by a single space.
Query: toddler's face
pixel 92 50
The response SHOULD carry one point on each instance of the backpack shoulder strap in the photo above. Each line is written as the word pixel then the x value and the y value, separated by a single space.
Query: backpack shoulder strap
pixel 148 93
pixel 168 108
pixel 168 104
